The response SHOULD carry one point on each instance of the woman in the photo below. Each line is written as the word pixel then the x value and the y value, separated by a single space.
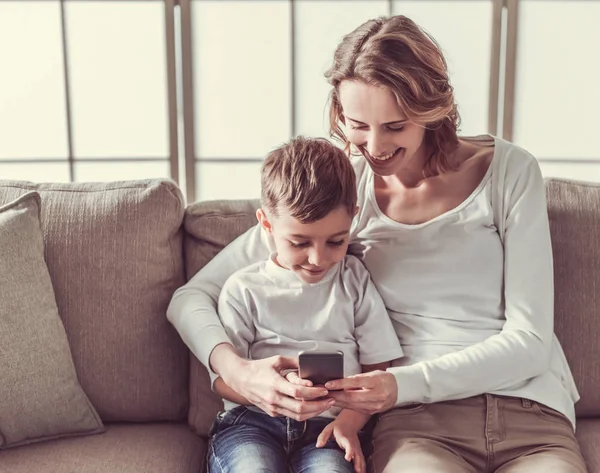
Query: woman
pixel 455 234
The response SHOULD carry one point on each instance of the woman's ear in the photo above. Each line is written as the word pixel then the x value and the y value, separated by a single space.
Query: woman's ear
pixel 356 211
pixel 261 216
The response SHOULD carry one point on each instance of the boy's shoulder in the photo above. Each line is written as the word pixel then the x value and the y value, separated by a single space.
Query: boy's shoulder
pixel 247 276
pixel 353 269
pixel 352 262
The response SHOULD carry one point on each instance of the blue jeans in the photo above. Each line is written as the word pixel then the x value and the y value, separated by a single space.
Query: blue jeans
pixel 244 440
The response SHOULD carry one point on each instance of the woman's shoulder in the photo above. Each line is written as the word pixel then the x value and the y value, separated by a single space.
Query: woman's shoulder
pixel 514 160
pixel 508 160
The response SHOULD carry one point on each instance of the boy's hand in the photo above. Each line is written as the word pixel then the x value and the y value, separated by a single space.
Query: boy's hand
pixel 347 438
pixel 292 377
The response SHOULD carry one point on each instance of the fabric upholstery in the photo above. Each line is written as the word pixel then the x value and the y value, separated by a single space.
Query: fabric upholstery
pixel 210 226
pixel 114 253
pixel 124 448
pixel 40 396
pixel 588 435
pixel 574 212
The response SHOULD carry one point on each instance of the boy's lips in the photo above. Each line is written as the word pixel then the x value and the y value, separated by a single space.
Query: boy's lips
pixel 313 270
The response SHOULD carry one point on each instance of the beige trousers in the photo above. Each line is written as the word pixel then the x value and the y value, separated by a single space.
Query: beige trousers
pixel 485 433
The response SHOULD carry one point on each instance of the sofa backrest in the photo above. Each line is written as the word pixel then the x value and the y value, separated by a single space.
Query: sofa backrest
pixel 574 212
pixel 209 227
pixel 114 253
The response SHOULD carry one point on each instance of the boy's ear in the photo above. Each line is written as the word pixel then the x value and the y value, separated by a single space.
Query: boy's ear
pixel 264 221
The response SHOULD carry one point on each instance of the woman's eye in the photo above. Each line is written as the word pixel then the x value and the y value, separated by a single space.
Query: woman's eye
pixel 358 127
pixel 336 243
pixel 396 129
pixel 298 245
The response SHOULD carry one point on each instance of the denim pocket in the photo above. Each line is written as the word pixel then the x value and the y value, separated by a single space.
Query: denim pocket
pixel 226 419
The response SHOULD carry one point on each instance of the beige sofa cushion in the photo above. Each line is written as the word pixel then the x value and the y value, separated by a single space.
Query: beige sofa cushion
pixel 40 397
pixel 114 253
pixel 124 448
pixel 210 226
pixel 574 212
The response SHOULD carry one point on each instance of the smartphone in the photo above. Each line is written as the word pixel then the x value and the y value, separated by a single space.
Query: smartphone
pixel 321 366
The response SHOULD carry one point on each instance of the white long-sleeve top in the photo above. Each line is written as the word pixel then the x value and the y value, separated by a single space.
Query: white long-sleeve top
pixel 473 311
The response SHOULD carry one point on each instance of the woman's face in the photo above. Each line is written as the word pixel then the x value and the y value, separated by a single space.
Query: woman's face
pixel 378 128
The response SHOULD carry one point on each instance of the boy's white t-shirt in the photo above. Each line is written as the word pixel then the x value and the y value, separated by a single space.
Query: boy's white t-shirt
pixel 268 310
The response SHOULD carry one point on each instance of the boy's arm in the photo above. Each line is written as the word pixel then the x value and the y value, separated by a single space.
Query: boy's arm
pixel 345 429
pixel 376 367
pixel 236 318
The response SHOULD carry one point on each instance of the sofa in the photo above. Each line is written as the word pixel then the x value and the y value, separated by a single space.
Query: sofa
pixel 116 252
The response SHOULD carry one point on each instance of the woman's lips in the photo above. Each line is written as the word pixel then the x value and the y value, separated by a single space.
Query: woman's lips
pixel 383 162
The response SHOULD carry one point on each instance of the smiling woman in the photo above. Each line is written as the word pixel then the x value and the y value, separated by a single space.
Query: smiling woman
pixel 455 234
pixel 378 128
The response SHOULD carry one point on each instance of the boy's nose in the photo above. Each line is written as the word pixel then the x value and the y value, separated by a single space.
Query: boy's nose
pixel 316 258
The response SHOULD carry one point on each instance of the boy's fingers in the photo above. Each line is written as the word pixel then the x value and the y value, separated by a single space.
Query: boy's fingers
pixel 324 436
pixel 293 378
pixel 304 392
pixel 347 447
pixel 360 465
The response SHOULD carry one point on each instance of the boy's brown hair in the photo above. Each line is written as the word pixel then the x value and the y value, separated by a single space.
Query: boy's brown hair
pixel 307 177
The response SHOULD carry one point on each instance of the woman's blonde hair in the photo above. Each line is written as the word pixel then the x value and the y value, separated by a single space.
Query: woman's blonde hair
pixel 396 54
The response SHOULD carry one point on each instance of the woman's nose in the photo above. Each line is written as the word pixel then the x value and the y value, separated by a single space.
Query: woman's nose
pixel 376 145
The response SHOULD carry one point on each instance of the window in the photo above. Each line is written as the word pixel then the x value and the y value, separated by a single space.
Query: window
pixel 202 90
pixel 84 92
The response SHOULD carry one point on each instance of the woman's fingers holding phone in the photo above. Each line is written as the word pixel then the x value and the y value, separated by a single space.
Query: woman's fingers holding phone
pixel 369 393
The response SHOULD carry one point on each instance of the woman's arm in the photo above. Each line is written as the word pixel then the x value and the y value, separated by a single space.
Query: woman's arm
pixel 193 308
pixel 519 352
pixel 226 392
pixel 192 311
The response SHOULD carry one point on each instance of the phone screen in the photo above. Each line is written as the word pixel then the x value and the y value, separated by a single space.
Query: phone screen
pixel 321 366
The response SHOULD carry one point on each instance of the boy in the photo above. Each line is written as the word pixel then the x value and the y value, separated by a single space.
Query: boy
pixel 308 295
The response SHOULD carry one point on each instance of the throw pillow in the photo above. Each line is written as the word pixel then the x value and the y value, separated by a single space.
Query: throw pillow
pixel 40 395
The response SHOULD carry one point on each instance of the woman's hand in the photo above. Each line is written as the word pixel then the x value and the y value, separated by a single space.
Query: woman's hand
pixel 369 393
pixel 261 382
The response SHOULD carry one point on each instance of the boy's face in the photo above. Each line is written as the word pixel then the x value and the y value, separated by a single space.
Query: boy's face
pixel 309 249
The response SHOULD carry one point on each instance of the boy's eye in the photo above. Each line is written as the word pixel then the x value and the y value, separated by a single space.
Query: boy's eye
pixel 298 245
pixel 336 243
